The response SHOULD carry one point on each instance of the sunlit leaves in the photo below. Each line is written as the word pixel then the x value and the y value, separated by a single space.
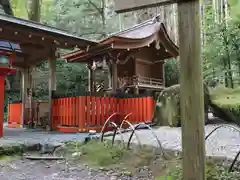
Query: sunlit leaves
pixel 235 10
pixel 19 8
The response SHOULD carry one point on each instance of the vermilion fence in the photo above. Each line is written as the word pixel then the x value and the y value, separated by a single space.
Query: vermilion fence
pixel 84 113
pixel 14 114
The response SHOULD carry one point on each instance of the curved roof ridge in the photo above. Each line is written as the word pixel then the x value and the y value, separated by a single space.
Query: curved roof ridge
pixel 144 23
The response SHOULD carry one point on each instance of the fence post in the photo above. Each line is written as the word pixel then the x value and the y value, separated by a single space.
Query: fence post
pixel 82 113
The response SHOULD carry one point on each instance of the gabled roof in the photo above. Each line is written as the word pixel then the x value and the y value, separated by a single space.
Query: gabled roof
pixel 44 30
pixel 37 41
pixel 139 36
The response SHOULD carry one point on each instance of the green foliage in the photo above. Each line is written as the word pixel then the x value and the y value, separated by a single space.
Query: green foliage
pixel 103 154
pixel 221 50
pixel 234 7
pixel 100 154
pixel 70 78
pixel 19 8
pixel 213 172
pixel 93 19
pixel 171 72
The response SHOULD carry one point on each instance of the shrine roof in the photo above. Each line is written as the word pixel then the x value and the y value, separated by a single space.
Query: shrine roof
pixel 45 30
pixel 136 37
pixel 36 40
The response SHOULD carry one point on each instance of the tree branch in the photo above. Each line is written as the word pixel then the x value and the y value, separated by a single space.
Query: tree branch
pixel 95 6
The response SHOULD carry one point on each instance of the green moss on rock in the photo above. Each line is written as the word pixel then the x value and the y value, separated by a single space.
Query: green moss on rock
pixel 227 99
pixel 167 109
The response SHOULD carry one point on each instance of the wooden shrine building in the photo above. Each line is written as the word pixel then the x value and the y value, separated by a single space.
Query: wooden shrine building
pixel 135 57
pixel 33 43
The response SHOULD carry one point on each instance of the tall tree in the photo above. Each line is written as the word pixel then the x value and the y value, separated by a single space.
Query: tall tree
pixel 34 7
pixel 6 7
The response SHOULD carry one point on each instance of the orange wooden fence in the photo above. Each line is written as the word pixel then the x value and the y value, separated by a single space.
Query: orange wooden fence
pixel 84 113
pixel 14 115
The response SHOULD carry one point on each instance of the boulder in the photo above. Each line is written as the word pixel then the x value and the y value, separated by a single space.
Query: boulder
pixel 167 109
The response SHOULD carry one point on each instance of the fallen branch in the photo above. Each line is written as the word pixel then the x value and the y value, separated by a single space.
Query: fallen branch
pixel 49 158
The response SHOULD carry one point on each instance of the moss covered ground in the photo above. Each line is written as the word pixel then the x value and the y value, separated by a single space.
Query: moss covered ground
pixel 227 99
pixel 97 154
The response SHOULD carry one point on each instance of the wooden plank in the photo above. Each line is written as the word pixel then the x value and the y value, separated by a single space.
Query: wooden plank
pixel 64 107
pixel 98 112
pixel 82 112
pixel 74 112
pixel 122 6
pixel 93 111
pixel 88 112
pixel 77 111
pixel 191 91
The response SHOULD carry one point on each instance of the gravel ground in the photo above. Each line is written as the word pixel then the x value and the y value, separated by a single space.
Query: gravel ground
pixel 225 142
pixel 39 170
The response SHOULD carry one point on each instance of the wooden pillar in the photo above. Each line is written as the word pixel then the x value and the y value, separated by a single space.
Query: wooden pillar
pixel 2 90
pixel 90 78
pixel 109 68
pixel 52 86
pixel 135 80
pixel 24 85
pixel 109 80
pixel 114 76
pixel 94 80
pixel 191 91
pixel 163 73
pixel 26 95
pixel 30 96
pixel 136 90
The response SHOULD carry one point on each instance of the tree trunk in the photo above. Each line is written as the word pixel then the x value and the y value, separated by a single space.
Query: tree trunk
pixel 103 18
pixel 34 10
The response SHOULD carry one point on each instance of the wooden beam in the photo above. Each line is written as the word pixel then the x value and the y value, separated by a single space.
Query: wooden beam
pixel 20 35
pixel 133 5
pixel 23 38
pixel 191 91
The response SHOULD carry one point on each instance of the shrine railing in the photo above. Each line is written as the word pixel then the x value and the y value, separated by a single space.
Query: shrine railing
pixel 140 80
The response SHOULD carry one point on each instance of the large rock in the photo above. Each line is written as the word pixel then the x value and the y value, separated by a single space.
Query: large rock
pixel 167 109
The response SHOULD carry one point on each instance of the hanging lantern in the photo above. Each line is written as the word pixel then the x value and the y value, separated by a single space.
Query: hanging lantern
pixel 7 55
pixel 4 60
